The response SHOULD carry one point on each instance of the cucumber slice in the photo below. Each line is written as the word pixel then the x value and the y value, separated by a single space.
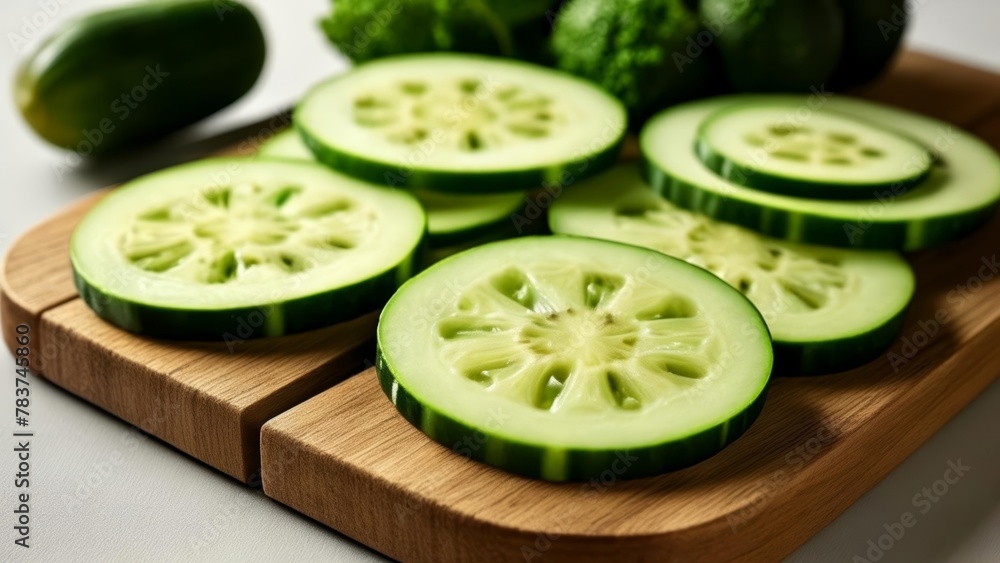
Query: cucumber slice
pixel 504 231
pixel 828 309
pixel 229 248
pixel 553 357
pixel 828 155
pixel 958 196
pixel 287 144
pixel 461 123
pixel 455 219
pixel 452 219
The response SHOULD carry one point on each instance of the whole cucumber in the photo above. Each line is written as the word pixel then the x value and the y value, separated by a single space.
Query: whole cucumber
pixel 126 77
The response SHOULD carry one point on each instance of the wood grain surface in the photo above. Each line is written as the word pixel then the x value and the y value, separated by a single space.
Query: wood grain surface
pixel 345 457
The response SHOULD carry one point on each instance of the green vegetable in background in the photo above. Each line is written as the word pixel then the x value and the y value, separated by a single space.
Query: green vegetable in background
pixel 369 29
pixel 639 50
pixel 873 30
pixel 129 76
pixel 776 45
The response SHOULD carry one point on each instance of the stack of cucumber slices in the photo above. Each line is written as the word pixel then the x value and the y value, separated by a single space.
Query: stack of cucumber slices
pixel 759 236
pixel 778 160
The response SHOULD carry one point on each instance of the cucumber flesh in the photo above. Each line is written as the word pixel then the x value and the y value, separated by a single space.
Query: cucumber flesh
pixel 461 123
pixel 560 355
pixel 828 309
pixel 507 230
pixel 452 218
pixel 823 155
pixel 960 193
pixel 247 247
pixel 286 144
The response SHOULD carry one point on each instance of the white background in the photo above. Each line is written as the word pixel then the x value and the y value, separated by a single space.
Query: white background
pixel 158 504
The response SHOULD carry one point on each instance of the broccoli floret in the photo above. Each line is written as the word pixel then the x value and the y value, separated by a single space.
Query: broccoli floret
pixel 639 50
pixel 368 29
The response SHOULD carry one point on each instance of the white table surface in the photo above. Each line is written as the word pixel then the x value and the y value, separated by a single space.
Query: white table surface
pixel 156 504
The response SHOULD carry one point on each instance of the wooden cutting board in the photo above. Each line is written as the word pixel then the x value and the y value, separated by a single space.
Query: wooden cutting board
pixel 338 452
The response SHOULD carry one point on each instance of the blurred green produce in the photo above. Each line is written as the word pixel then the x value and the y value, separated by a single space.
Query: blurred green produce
pixel 776 45
pixel 649 53
pixel 129 76
pixel 369 29
pixel 873 30
pixel 645 52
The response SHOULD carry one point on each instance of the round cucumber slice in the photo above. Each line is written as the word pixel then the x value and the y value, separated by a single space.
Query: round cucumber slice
pixel 452 219
pixel 229 248
pixel 461 123
pixel 828 155
pixel 960 193
pixel 553 357
pixel 828 309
